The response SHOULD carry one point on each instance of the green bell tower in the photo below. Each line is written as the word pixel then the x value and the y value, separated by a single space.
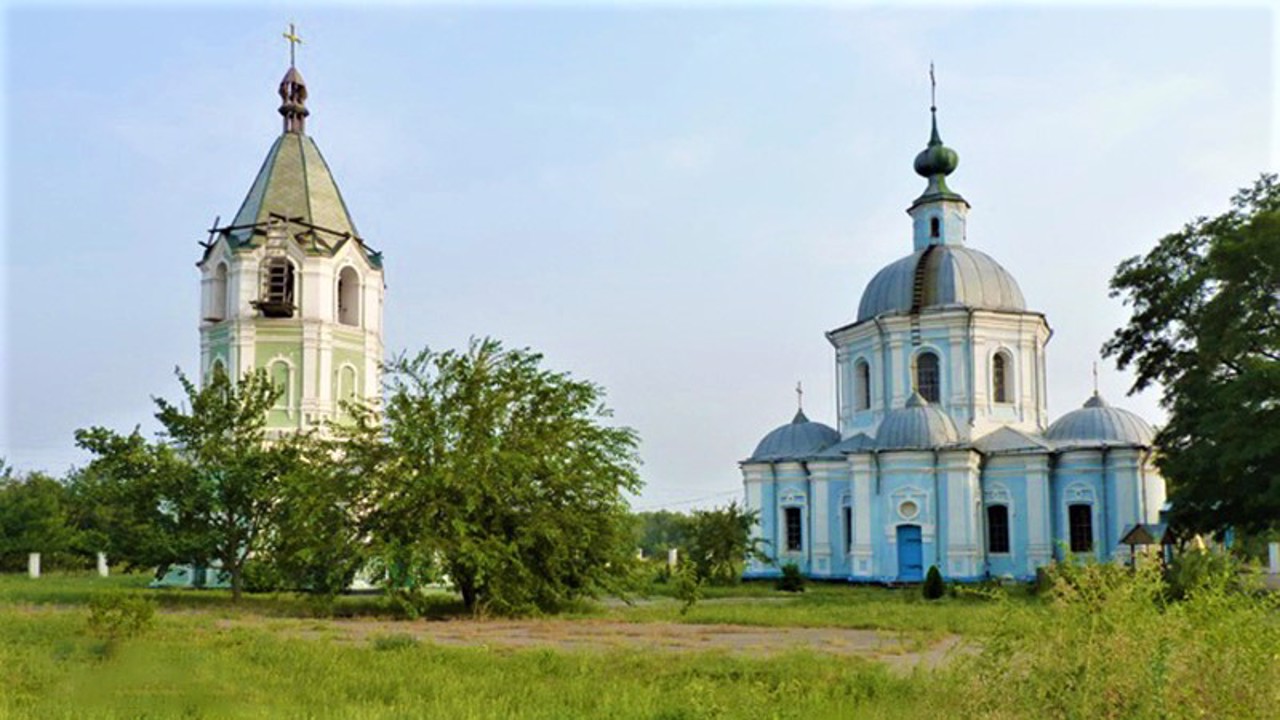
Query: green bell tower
pixel 290 286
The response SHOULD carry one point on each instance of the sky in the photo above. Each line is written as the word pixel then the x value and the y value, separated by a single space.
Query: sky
pixel 674 201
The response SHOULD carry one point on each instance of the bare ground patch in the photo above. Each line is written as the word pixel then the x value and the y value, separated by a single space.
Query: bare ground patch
pixel 900 651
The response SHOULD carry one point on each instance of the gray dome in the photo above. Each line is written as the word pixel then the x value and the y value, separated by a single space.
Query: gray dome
pixel 801 438
pixel 918 426
pixel 1097 423
pixel 951 275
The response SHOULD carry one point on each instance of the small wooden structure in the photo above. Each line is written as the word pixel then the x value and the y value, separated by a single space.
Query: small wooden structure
pixel 1146 535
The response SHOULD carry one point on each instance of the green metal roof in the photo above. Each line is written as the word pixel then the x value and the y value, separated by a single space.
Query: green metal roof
pixel 295 182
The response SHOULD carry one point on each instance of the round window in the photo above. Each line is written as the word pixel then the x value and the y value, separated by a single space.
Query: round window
pixel 908 509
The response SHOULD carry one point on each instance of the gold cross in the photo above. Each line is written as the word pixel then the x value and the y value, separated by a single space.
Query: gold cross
pixel 294 41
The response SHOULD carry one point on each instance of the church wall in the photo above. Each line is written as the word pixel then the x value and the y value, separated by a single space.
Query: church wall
pixel 961 541
pixel 1019 482
pixel 1079 478
pixel 907 479
pixel 792 490
pixel 829 483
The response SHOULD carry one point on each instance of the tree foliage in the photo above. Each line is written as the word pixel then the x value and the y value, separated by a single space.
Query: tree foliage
pixel 719 543
pixel 1206 326
pixel 34 517
pixel 500 473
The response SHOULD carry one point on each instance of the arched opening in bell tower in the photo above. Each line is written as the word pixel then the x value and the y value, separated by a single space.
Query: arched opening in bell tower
pixel 349 296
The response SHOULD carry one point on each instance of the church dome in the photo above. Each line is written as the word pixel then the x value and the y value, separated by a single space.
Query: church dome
pixel 949 275
pixel 1099 424
pixel 801 438
pixel 918 426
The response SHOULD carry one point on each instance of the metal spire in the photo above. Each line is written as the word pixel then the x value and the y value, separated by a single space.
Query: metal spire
pixel 294 41
pixel 1095 377
pixel 799 397
pixel 933 90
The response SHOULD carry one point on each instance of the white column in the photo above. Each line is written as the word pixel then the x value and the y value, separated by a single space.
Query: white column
pixel 673 558
pixel 103 570
pixel 33 565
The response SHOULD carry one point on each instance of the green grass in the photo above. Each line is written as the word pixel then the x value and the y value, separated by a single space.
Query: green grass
pixel 187 666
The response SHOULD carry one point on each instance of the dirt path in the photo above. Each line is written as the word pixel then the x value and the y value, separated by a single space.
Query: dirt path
pixel 900 652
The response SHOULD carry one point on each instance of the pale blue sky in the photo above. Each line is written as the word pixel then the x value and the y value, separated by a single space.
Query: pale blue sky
pixel 675 202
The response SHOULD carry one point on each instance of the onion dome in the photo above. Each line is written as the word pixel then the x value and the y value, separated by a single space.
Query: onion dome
pixel 949 276
pixel 797 440
pixel 918 426
pixel 935 163
pixel 1097 424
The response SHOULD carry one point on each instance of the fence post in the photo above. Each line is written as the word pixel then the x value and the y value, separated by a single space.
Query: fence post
pixel 103 570
pixel 33 565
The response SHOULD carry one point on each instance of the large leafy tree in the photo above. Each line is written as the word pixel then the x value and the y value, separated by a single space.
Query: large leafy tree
pixel 502 474
pixel 1206 326
pixel 34 511
pixel 208 491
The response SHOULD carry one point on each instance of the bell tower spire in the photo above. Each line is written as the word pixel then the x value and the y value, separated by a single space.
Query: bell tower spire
pixel 293 90
pixel 939 212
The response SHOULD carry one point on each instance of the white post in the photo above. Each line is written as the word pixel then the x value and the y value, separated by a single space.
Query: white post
pixel 1273 554
pixel 103 571
pixel 33 565
pixel 673 558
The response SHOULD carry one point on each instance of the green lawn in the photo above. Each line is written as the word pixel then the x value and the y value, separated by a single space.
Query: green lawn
pixel 1101 647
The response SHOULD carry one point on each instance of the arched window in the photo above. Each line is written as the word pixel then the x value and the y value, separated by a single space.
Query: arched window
pixel 349 296
pixel 280 378
pixel 935 227
pixel 998 528
pixel 927 378
pixel 1000 377
pixel 795 532
pixel 217 308
pixel 862 385
pixel 215 368
pixel 846 515
pixel 1080 523
pixel 277 288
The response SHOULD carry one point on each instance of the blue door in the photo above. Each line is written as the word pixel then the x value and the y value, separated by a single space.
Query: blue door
pixel 910 554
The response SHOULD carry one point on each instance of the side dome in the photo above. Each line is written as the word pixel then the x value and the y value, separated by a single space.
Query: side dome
pixel 1099 424
pixel 949 275
pixel 801 438
pixel 918 426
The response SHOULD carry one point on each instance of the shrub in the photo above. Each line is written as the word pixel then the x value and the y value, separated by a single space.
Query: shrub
pixel 1196 570
pixel 792 579
pixel 933 587
pixel 115 616
pixel 394 641
pixel 687 586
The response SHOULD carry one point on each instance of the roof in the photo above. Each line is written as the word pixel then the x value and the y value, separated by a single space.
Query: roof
pixel 1011 440
pixel 1147 534
pixel 799 439
pixel 918 426
pixel 1098 424
pixel 295 182
pixel 950 275
pixel 860 442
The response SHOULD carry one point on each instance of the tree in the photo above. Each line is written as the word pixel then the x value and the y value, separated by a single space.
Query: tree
pixel 118 501
pixel 719 542
pixel 500 473
pixel 660 530
pixel 33 518
pixel 1206 326
pixel 214 481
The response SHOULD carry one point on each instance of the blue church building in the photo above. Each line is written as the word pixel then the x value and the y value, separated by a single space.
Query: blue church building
pixel 945 454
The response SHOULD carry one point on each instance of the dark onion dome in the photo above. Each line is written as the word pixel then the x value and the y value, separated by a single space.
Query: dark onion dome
pixel 799 439
pixel 935 163
pixel 1097 424
pixel 918 426
pixel 952 276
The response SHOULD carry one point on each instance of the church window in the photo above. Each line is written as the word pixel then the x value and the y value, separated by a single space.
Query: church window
pixel 217 307
pixel 349 297
pixel 794 534
pixel 848 529
pixel 927 377
pixel 998 528
pixel 935 227
pixel 862 385
pixel 1000 377
pixel 280 373
pixel 1080 521
pixel 277 290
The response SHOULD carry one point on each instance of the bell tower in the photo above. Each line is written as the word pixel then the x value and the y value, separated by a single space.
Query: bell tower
pixel 290 286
